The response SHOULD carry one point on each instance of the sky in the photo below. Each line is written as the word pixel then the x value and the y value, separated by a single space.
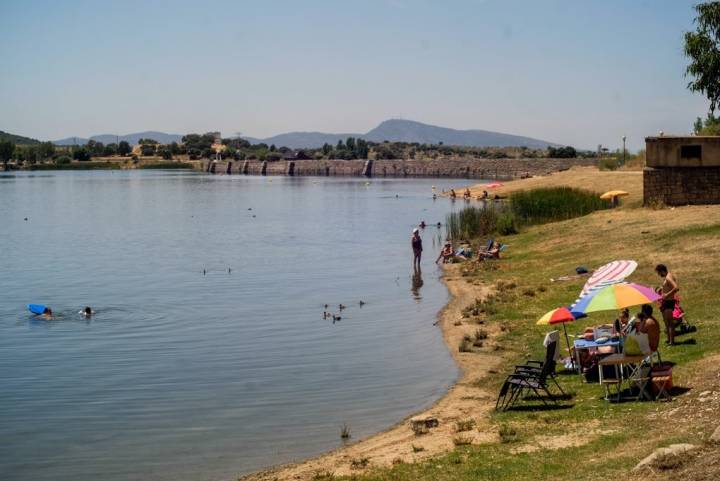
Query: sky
pixel 576 72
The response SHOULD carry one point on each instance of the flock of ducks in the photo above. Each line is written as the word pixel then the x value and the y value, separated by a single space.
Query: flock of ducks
pixel 337 317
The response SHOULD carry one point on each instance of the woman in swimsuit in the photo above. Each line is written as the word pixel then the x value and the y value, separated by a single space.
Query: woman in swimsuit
pixel 669 288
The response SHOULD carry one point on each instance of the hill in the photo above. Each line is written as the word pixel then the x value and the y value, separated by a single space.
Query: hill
pixel 18 139
pixel 398 130
pixel 132 139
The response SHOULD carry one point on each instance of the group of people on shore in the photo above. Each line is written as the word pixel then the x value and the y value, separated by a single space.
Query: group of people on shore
pixel 448 252
pixel 645 322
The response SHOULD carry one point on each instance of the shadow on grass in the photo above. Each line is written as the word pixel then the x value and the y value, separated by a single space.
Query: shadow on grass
pixel 540 407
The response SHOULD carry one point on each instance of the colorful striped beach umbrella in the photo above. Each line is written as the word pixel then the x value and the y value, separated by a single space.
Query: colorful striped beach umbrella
pixel 561 315
pixel 615 297
pixel 557 316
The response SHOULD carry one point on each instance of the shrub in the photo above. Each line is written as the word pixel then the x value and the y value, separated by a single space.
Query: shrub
pixel 344 432
pixel 462 440
pixel 608 163
pixel 465 345
pixel 472 222
pixel 554 203
pixel 464 425
pixel 506 224
pixel 359 463
pixel 507 433
pixel 63 160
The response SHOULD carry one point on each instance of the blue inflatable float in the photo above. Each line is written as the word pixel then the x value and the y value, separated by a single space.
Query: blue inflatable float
pixel 36 308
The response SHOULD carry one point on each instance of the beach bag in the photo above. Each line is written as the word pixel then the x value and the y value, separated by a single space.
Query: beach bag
pixel 637 344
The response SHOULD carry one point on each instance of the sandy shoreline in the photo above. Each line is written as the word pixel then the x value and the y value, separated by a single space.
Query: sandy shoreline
pixel 466 400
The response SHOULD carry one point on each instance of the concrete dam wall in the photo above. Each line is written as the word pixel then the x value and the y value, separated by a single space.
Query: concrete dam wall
pixel 460 168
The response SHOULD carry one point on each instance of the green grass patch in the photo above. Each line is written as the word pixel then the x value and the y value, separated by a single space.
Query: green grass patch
pixel 554 203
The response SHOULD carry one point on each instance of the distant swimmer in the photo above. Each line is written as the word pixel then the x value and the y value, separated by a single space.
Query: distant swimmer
pixel 87 312
pixel 341 307
pixel 362 303
pixel 422 224
pixel 434 196
pixel 47 313
pixel 438 225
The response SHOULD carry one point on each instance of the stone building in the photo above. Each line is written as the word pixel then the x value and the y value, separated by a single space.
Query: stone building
pixel 682 170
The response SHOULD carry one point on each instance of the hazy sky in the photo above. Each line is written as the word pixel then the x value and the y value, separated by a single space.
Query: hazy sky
pixel 579 72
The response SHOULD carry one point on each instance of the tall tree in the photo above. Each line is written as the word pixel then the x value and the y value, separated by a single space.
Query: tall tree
pixel 124 148
pixel 7 149
pixel 702 47
pixel 46 150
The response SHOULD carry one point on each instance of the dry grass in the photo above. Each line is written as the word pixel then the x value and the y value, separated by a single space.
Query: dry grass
pixel 589 178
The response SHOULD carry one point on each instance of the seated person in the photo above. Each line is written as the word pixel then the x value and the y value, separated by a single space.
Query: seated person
pixel 621 323
pixel 650 326
pixel 446 253
pixel 467 194
pixel 492 253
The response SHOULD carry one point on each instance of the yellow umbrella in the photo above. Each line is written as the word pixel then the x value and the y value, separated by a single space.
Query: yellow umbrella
pixel 613 193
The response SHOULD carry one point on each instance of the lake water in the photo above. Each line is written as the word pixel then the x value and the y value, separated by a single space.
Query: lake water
pixel 185 375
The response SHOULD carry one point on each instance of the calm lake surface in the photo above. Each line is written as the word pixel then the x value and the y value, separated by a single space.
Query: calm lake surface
pixel 182 375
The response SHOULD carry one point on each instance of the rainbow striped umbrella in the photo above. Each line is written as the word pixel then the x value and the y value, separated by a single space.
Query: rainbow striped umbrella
pixel 615 297
pixel 557 316
pixel 561 315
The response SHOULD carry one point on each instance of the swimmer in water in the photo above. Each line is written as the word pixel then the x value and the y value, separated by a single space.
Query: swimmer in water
pixel 47 313
pixel 87 312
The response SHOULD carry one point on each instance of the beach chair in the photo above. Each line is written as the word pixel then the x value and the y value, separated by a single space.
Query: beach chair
pixel 532 377
pixel 537 366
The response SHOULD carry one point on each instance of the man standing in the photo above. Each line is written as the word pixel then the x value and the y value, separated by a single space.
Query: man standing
pixel 416 243
pixel 667 303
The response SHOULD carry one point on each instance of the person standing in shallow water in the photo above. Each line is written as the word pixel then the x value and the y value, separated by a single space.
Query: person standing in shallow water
pixel 416 243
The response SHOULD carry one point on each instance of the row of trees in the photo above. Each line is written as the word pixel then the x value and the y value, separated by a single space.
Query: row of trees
pixel 197 146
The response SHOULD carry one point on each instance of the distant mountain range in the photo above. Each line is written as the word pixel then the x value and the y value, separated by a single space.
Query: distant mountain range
pixel 132 139
pixel 393 130
pixel 18 139
pixel 398 130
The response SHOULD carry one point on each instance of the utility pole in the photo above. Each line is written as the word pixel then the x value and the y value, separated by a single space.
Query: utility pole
pixel 624 138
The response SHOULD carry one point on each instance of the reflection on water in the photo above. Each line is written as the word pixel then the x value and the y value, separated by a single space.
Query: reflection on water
pixel 416 284
pixel 208 356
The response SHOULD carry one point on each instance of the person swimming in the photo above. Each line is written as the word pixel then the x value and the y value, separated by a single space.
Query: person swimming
pixel 87 312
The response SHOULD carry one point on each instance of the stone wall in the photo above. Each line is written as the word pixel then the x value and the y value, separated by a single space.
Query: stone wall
pixel 682 170
pixel 681 185
pixel 452 168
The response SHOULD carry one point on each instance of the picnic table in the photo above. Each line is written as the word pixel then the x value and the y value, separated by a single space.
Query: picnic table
pixel 634 378
pixel 580 344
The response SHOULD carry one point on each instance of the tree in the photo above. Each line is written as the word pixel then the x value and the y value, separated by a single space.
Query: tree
pixel 46 150
pixel 326 148
pixel 562 152
pixel 350 143
pixel 702 47
pixel 7 149
pixel 165 152
pixel 124 148
pixel 81 154
pixel 110 150
pixel 361 149
pixel 147 150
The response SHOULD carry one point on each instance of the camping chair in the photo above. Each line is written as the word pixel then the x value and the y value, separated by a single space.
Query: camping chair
pixel 537 366
pixel 520 383
pixel 532 377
